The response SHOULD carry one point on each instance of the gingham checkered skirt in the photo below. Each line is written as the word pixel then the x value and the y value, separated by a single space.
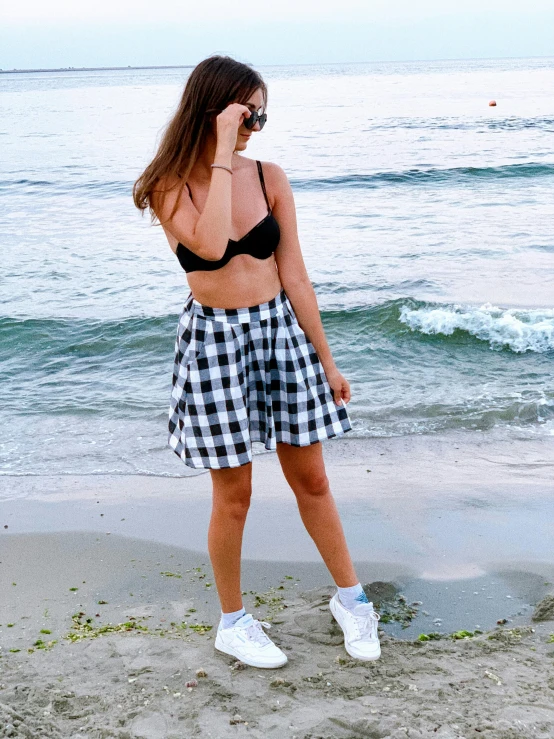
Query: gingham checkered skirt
pixel 244 375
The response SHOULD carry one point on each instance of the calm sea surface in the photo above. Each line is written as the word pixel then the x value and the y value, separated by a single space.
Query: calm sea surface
pixel 425 216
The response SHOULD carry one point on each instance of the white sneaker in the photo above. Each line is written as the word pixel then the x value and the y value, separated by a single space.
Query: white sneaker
pixel 361 639
pixel 247 641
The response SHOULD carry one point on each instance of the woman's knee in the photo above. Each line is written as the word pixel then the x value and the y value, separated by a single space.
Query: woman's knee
pixel 232 492
pixel 310 484
pixel 304 469
pixel 236 506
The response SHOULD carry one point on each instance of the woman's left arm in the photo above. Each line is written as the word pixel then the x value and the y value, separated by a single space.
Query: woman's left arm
pixel 296 283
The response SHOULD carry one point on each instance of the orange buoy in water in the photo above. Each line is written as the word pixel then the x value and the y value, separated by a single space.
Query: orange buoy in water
pixel 492 103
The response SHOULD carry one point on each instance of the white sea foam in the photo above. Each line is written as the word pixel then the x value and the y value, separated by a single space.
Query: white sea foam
pixel 518 330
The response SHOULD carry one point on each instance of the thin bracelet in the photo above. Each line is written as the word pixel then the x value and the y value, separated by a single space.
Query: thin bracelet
pixel 223 167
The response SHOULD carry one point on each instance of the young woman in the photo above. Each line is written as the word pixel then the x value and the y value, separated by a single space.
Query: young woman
pixel 251 359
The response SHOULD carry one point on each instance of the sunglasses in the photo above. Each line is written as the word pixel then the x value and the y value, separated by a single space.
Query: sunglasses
pixel 255 117
pixel 250 122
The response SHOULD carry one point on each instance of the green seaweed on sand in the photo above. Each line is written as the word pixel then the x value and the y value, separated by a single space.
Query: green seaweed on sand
pixel 462 634
pixel 83 627
pixel 429 637
pixel 200 628
pixel 456 635
pixel 550 639
pixel 272 599
pixel 197 628
pixel 40 644
pixel 171 574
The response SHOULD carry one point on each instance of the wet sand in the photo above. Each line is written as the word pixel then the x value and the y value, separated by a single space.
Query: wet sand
pixel 467 545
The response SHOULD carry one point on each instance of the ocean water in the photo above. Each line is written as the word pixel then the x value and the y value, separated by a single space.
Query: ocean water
pixel 425 217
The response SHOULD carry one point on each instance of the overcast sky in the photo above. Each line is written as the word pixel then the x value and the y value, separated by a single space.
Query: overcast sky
pixel 62 33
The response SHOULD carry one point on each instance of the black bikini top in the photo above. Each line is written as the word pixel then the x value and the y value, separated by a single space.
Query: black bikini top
pixel 260 242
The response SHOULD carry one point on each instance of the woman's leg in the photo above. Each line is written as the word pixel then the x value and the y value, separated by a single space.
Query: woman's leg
pixel 304 471
pixel 232 489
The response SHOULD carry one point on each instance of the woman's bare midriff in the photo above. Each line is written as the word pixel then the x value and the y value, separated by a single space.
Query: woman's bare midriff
pixel 243 282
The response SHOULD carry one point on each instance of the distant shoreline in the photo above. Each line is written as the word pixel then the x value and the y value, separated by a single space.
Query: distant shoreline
pixel 94 69
pixel 303 64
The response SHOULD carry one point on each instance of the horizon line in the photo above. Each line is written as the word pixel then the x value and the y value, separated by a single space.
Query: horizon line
pixel 286 64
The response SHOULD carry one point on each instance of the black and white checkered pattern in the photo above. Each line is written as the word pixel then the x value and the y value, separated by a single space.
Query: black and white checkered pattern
pixel 244 375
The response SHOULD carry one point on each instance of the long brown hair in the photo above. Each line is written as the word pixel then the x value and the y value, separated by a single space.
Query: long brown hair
pixel 212 85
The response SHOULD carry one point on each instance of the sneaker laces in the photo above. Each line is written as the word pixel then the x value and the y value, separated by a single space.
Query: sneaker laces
pixel 366 620
pixel 255 632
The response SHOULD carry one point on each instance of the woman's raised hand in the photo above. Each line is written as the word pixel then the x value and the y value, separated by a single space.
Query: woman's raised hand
pixel 227 126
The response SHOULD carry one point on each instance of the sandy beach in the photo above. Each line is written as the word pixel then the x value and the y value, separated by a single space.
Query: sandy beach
pixel 108 604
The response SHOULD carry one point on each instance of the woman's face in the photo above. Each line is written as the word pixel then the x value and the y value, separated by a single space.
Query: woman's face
pixel 254 102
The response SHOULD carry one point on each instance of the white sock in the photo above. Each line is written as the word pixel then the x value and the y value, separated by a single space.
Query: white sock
pixel 352 597
pixel 230 619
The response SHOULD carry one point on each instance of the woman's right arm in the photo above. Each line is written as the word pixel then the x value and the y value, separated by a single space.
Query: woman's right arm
pixel 206 234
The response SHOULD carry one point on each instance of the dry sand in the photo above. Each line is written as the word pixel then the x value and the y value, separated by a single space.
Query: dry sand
pixel 474 545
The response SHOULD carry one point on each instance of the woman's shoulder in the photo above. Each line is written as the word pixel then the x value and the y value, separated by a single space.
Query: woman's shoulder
pixel 275 177
pixel 271 168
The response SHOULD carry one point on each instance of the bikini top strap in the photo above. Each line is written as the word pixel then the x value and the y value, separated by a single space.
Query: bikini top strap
pixel 260 172
pixel 188 188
